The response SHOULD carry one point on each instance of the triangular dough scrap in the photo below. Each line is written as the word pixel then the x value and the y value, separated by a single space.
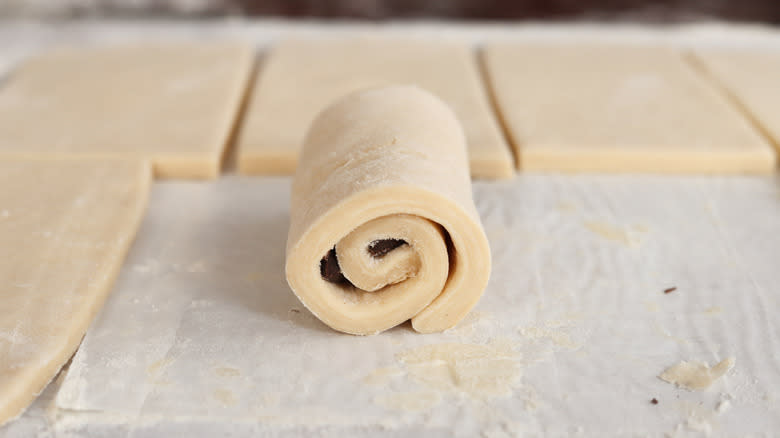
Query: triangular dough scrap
pixel 301 77
pixel 64 230
pixel 750 77
pixel 175 104
pixel 618 109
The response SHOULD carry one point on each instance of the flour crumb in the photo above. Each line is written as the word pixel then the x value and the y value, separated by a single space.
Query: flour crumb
pixel 224 396
pixel 227 372
pixel 149 267
pixel 609 232
pixel 723 406
pixel 158 366
pixel 699 425
pixel 629 237
pixel 712 311
pixel 552 333
pixel 481 371
pixel 696 375
pixel 410 401
pixel 566 207
pixel 380 376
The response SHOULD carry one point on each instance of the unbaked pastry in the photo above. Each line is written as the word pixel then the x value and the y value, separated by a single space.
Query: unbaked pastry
pixel 64 230
pixel 618 109
pixel 299 78
pixel 751 78
pixel 383 227
pixel 173 104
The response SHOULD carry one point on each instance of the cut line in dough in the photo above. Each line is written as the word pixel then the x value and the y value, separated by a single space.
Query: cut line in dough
pixel 299 78
pixel 64 233
pixel 380 165
pixel 175 105
pixel 604 108
pixel 750 78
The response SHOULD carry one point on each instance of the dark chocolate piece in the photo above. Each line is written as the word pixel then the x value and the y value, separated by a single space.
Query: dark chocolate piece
pixel 330 270
pixel 654 401
pixel 380 248
pixel 670 290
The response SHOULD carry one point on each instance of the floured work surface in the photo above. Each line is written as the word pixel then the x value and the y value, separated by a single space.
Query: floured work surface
pixel 299 78
pixel 202 336
pixel 64 230
pixel 173 104
pixel 581 264
pixel 751 78
pixel 609 108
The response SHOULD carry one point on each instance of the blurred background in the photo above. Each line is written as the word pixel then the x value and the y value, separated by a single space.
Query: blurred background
pixel 760 11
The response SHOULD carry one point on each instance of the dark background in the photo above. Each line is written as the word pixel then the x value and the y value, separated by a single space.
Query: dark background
pixel 763 11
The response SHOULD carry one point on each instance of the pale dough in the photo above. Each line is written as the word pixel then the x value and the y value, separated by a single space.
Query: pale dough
pixel 751 78
pixel 696 375
pixel 173 104
pixel 64 230
pixel 387 163
pixel 299 78
pixel 618 109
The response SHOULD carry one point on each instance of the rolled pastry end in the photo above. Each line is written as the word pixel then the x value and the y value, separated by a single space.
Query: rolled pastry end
pixel 383 228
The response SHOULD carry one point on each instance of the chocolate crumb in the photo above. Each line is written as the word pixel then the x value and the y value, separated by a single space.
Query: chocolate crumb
pixel 380 248
pixel 670 290
pixel 330 269
pixel 295 311
pixel 654 401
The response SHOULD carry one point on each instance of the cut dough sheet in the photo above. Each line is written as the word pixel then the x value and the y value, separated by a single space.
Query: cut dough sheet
pixel 299 78
pixel 751 78
pixel 64 230
pixel 618 109
pixel 383 168
pixel 175 104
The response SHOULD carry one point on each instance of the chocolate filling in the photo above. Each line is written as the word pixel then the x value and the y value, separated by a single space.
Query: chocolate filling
pixel 330 270
pixel 380 248
pixel 329 265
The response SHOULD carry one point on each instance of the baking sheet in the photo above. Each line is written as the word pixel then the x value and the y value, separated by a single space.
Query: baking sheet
pixel 202 334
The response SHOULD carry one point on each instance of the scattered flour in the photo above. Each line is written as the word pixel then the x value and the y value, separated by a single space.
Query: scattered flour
pixel 696 375
pixel 481 371
pixel 410 401
pixel 632 236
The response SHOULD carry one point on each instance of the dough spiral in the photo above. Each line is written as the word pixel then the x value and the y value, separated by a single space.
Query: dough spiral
pixel 383 227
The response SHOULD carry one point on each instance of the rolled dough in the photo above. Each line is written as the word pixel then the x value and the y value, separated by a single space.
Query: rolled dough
pixel 751 78
pixel 618 109
pixel 300 78
pixel 387 163
pixel 173 104
pixel 64 230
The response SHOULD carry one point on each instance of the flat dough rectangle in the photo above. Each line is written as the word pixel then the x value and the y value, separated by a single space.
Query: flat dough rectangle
pixel 173 104
pixel 299 78
pixel 752 78
pixel 618 109
pixel 64 230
